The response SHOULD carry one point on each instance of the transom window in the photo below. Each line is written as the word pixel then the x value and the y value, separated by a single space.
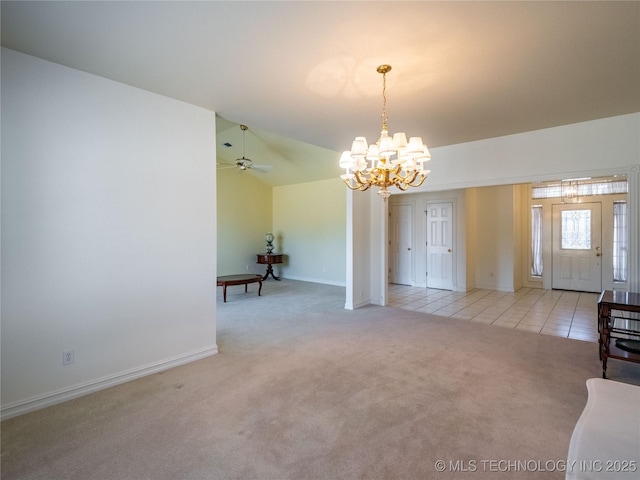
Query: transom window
pixel 580 187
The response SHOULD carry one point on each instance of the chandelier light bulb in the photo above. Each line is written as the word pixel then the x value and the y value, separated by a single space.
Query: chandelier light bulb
pixel 346 161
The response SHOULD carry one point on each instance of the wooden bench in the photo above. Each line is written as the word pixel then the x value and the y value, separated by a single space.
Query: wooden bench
pixel 242 279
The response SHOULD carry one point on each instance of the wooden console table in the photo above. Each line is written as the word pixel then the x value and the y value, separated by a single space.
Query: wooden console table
pixel 269 259
pixel 619 335
pixel 242 279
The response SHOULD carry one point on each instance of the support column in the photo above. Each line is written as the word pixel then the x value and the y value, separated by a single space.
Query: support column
pixel 633 205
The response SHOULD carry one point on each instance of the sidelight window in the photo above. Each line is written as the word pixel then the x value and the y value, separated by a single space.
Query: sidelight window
pixel 620 247
pixel 536 240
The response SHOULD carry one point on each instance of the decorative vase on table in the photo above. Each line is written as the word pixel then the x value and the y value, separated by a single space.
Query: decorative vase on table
pixel 269 239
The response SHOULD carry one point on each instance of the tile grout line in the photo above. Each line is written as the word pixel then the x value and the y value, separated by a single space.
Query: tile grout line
pixel 477 295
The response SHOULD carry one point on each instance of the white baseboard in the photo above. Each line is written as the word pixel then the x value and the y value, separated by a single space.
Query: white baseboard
pixel 349 306
pixel 49 399
pixel 314 280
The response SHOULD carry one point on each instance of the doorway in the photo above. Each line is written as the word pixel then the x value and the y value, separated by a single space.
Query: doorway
pixel 576 260
pixel 440 245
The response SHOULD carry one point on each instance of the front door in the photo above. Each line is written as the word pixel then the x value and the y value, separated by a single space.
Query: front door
pixel 400 226
pixel 576 247
pixel 440 245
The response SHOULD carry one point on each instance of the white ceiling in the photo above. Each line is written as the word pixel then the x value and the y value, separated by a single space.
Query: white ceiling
pixel 306 70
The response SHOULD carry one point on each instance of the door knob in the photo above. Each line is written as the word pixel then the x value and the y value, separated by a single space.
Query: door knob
pixel 597 254
pixel 449 250
pixel 409 248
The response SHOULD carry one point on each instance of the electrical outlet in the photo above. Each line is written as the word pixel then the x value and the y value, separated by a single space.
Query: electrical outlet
pixel 68 357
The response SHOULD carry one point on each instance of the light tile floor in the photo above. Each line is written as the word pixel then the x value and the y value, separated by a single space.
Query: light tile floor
pixel 551 312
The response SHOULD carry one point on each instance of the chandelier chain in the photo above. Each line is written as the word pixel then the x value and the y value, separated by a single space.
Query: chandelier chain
pixel 384 101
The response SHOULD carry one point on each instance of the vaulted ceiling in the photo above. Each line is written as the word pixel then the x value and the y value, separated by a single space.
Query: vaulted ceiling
pixel 302 75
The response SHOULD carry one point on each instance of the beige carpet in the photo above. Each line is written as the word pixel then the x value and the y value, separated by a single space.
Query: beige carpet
pixel 303 389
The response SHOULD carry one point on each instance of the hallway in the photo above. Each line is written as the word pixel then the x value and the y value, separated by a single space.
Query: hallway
pixel 551 312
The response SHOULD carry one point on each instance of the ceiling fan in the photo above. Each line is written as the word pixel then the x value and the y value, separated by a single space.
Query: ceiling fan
pixel 244 163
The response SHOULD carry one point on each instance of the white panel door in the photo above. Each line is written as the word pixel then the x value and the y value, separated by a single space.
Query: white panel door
pixel 576 254
pixel 440 246
pixel 401 255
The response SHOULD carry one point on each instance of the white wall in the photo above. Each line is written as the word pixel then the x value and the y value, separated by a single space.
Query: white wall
pixel 309 223
pixel 359 248
pixel 245 214
pixel 599 147
pixel 108 232
pixel 379 259
pixel 469 245
pixel 495 241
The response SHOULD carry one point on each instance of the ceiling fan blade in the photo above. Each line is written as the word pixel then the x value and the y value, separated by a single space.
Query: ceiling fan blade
pixel 223 166
pixel 263 168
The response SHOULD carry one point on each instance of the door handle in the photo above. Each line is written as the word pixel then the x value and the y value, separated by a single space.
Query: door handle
pixel 597 254
pixel 409 248
pixel 449 250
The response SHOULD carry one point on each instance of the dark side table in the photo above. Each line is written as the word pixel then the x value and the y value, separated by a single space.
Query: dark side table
pixel 269 259
pixel 624 330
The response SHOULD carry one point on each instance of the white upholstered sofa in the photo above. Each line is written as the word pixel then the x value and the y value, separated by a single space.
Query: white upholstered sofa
pixel 606 440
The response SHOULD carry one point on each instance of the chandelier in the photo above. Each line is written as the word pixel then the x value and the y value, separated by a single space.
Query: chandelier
pixel 404 171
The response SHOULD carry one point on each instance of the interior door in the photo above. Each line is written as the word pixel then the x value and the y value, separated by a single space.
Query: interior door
pixel 576 247
pixel 400 226
pixel 440 245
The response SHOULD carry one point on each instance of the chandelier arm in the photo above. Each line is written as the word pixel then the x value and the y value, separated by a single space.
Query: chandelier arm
pixel 359 178
pixel 413 176
pixel 422 179
pixel 362 184
pixel 379 173
pixel 415 180
pixel 405 178
pixel 404 182
pixel 357 187
pixel 401 180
